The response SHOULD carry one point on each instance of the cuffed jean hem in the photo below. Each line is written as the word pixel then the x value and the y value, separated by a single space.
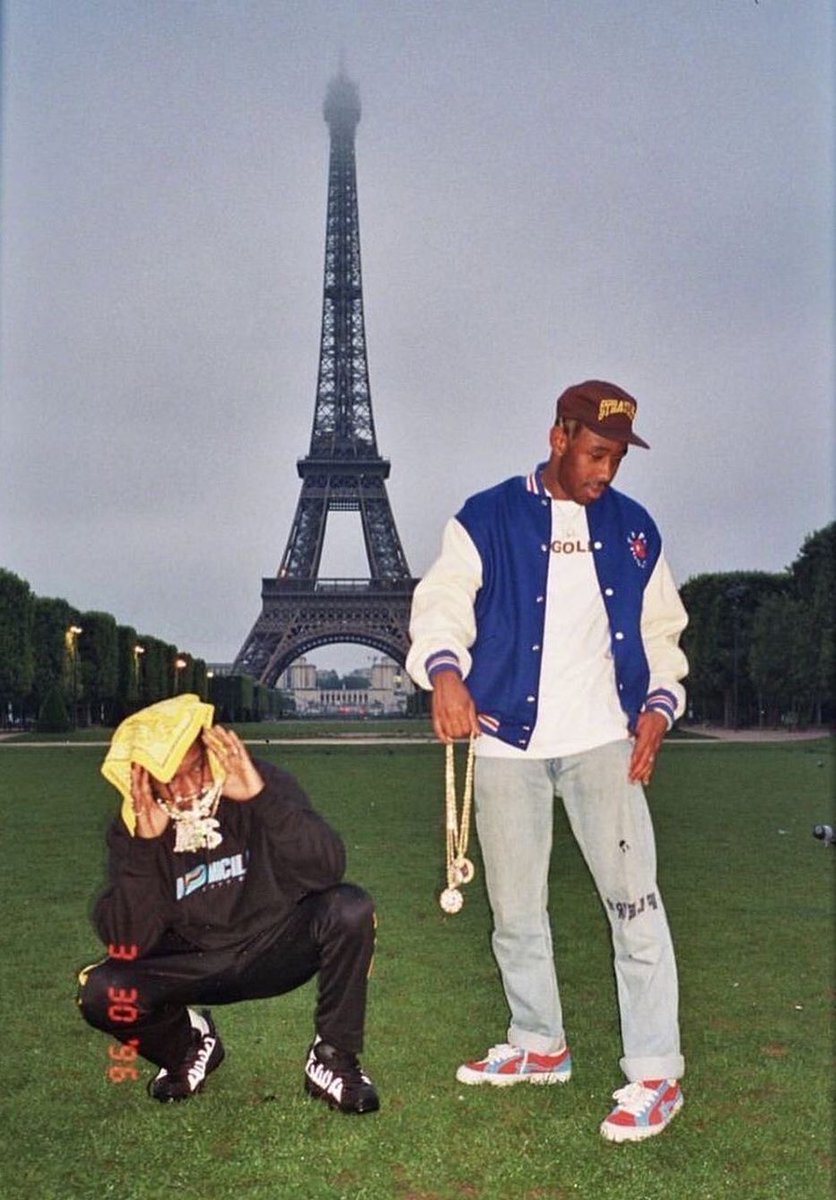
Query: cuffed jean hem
pixel 636 1070
pixel 535 1042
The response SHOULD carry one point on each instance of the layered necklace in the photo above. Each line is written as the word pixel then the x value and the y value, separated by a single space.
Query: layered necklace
pixel 459 868
pixel 196 827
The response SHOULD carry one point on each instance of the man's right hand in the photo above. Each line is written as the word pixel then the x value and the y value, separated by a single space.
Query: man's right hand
pixel 453 710
pixel 151 820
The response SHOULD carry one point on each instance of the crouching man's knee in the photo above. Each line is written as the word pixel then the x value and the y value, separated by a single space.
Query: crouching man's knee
pixel 107 998
pixel 353 907
pixel 346 911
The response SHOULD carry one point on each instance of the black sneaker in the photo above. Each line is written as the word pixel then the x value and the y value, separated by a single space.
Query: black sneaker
pixel 205 1054
pixel 337 1078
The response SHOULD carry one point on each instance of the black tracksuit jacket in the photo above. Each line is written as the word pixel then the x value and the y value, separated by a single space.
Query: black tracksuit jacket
pixel 275 850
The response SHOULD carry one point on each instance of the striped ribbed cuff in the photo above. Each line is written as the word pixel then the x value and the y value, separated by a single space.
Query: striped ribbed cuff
pixel 663 702
pixel 442 660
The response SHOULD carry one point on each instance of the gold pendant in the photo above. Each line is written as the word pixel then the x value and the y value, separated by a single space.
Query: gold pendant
pixel 451 900
pixel 462 871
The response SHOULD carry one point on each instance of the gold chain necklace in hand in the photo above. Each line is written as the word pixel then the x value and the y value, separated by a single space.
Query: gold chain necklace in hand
pixel 459 867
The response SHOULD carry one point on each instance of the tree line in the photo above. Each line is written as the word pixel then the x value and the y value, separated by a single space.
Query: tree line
pixel 61 668
pixel 760 647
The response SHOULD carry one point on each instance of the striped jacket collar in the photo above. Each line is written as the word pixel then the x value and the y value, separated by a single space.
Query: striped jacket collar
pixel 534 481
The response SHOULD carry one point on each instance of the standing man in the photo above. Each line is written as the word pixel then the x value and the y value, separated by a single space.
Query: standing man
pixel 550 626
pixel 224 885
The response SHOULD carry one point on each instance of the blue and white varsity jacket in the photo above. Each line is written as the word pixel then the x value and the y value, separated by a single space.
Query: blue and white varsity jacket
pixel 480 609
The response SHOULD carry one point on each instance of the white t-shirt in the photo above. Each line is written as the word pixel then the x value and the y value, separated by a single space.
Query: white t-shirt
pixel 577 706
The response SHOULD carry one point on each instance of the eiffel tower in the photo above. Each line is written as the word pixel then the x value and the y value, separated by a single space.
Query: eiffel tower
pixel 343 471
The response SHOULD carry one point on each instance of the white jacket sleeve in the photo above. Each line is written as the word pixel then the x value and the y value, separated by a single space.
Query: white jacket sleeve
pixel 663 619
pixel 442 625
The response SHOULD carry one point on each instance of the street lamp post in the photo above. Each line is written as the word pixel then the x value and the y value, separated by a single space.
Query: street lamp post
pixel 180 664
pixel 73 633
pixel 138 653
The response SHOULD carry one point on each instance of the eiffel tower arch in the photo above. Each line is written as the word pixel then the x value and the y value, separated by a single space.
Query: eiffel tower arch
pixel 343 470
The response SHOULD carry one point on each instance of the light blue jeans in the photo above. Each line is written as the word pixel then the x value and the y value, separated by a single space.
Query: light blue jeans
pixel 609 817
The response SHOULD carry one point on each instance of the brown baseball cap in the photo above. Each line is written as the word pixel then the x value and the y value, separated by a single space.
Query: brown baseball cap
pixel 603 408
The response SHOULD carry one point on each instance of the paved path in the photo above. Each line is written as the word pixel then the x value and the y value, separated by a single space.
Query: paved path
pixel 706 735
pixel 718 733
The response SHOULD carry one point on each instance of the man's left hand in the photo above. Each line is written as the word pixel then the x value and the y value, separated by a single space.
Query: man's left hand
pixel 651 728
pixel 242 780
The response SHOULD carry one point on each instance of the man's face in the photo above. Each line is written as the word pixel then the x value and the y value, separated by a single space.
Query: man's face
pixel 191 778
pixel 583 466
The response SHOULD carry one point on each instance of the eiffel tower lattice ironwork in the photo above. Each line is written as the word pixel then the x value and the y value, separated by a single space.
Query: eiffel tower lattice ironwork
pixel 343 471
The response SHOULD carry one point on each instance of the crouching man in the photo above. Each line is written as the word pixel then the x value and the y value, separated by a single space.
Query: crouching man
pixel 224 885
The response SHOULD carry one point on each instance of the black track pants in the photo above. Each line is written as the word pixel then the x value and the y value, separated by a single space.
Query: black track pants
pixel 331 934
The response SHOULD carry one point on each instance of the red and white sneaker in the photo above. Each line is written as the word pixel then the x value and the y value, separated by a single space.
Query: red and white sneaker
pixel 504 1065
pixel 643 1109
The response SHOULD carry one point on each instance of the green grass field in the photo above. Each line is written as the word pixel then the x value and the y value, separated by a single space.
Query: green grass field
pixel 750 897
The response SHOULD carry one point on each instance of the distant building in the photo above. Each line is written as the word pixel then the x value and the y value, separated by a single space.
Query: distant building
pixel 299 681
pixel 385 691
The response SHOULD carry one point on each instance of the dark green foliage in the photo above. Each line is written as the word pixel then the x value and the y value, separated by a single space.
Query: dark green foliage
pixel 357 683
pixel 791 657
pixel 17 664
pixel 782 660
pixel 199 680
pixel 232 696
pixel 104 672
pixel 761 646
pixel 814 575
pixel 327 679
pixel 127 658
pixel 98 650
pixel 721 610
pixel 239 699
pixel 269 704
pixel 53 716
pixel 156 670
pixel 52 648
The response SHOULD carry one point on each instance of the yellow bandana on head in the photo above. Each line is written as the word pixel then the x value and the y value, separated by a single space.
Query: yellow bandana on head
pixel 156 738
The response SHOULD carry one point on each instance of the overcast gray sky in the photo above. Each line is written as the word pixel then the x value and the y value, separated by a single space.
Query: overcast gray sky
pixel 635 190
